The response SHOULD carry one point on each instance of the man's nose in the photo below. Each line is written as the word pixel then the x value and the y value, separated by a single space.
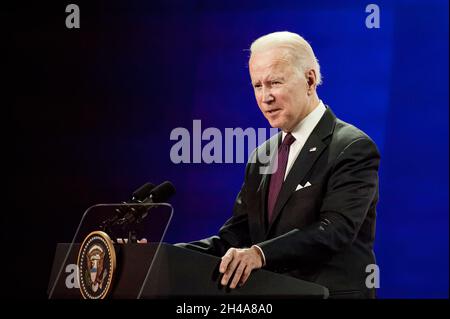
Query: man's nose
pixel 267 95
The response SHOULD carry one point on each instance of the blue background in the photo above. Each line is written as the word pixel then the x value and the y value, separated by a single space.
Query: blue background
pixel 97 105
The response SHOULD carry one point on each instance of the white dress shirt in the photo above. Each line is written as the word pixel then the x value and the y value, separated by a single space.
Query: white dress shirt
pixel 301 133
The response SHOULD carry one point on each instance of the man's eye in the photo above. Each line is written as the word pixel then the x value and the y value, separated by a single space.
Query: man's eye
pixel 275 82
pixel 257 86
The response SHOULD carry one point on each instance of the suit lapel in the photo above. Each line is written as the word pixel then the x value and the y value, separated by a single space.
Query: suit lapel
pixel 300 168
pixel 303 164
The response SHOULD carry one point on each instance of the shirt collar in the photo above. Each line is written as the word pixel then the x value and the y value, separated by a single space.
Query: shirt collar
pixel 306 126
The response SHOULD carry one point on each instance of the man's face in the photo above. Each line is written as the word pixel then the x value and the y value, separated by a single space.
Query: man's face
pixel 280 91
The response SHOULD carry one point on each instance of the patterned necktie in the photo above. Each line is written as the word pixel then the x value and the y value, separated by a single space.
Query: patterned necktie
pixel 277 178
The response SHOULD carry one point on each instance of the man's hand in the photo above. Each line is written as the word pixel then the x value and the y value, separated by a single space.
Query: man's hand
pixel 241 262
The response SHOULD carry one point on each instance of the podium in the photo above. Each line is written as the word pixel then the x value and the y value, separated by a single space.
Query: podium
pixel 175 272
pixel 149 271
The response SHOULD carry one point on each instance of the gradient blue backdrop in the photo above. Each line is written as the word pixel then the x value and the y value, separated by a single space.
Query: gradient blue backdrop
pixel 391 82
pixel 140 69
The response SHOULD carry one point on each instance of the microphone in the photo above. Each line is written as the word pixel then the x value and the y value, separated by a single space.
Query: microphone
pixel 158 194
pixel 142 192
pixel 138 196
pixel 162 192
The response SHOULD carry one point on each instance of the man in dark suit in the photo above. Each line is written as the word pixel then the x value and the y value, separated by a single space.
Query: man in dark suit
pixel 313 217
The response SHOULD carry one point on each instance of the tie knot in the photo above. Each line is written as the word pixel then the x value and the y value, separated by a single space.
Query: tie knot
pixel 288 139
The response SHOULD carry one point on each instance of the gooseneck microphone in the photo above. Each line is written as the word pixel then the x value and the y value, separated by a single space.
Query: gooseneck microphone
pixel 138 196
pixel 133 212
pixel 158 194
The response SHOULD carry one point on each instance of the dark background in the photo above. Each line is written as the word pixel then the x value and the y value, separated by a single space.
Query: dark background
pixel 93 109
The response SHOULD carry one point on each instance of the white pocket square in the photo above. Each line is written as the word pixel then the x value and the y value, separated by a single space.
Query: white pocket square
pixel 304 186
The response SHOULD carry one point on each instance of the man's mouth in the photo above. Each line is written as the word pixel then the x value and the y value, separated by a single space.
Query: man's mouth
pixel 273 112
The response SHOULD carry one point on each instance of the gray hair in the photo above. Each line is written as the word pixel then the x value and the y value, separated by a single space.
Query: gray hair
pixel 298 48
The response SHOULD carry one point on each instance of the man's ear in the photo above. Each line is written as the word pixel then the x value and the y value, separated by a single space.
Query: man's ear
pixel 311 78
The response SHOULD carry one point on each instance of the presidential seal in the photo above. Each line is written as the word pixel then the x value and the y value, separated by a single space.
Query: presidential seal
pixel 96 264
